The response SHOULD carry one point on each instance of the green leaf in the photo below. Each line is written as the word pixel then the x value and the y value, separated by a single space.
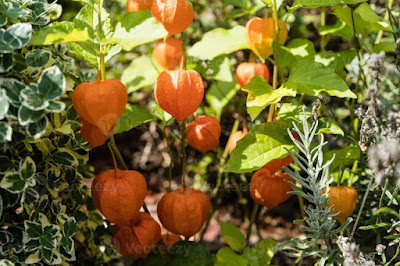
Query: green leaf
pixel 4 105
pixel 386 44
pixel 37 129
pixel 339 28
pixel 296 50
pixel 15 37
pixel 67 244
pixel 37 58
pixel 33 230
pixel 312 78
pixel 32 245
pixel 26 116
pixel 65 157
pixel 33 100
pixel 387 210
pixel 47 255
pixel 343 157
pixel 6 62
pixel 51 83
pixel 13 183
pixel 219 95
pixel 261 95
pixel 218 69
pixel 315 4
pixel 366 20
pixel 5 132
pixel 264 143
pixel 137 28
pixel 28 169
pixel 13 88
pixel 84 51
pixel 133 116
pixel 374 226
pixel 336 60
pixel 142 72
pixel 70 227
pixel 232 236
pixel 218 42
pixel 48 239
pixel 327 126
pixel 59 32
pixel 227 257
pixel 262 253
pixel 1 206
pixel 55 107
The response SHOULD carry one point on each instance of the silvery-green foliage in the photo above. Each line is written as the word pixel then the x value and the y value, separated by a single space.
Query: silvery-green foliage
pixel 319 224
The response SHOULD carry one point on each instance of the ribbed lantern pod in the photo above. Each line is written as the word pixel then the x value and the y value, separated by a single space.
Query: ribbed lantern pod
pixel 234 138
pixel 277 164
pixel 100 102
pixel 179 92
pixel 269 189
pixel 119 194
pixel 260 34
pixel 246 71
pixel 93 134
pixel 203 133
pixel 138 5
pixel 168 54
pixel 343 200
pixel 184 211
pixel 175 15
pixel 137 238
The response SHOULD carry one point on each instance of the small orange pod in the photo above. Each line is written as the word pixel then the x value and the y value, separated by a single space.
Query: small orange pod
pixel 168 54
pixel 179 92
pixel 203 133
pixel 184 211
pixel 269 189
pixel 137 238
pixel 260 34
pixel 246 71
pixel 175 15
pixel 93 134
pixel 343 200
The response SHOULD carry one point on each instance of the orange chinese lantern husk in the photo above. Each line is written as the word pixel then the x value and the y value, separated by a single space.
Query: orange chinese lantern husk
pixel 175 15
pixel 269 189
pixel 246 71
pixel 168 54
pixel 184 211
pixel 203 133
pixel 344 200
pixel 138 5
pixel 179 92
pixel 93 134
pixel 100 103
pixel 137 238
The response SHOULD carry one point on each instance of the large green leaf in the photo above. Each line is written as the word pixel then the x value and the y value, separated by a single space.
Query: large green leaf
pixel 218 42
pixel 26 116
pixel 312 78
pixel 219 95
pixel 296 50
pixel 6 62
pixel 343 157
pixel 261 95
pixel 142 72
pixel 195 254
pixel 366 20
pixel 60 32
pixel 137 28
pixel 15 37
pixel 4 104
pixel 262 253
pixel 37 58
pixel 320 3
pixel 227 257
pixel 51 83
pixel 264 143
pixel 133 116
pixel 219 69
pixel 12 182
pixel 232 236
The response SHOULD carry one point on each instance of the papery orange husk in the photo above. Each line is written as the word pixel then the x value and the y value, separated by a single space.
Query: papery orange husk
pixel 344 200
pixel 260 34
pixel 246 71
pixel 184 211
pixel 179 92
pixel 138 238
pixel 138 5
pixel 93 134
pixel 119 194
pixel 170 239
pixel 175 15
pixel 203 133
pixel 269 189
pixel 100 103
pixel 168 54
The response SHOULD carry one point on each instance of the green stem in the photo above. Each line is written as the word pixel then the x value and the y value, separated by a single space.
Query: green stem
pixel 394 257
pixel 273 108
pixel 117 153
pixel 183 154
pixel 171 162
pixel 386 17
pixel 362 206
pixel 252 219
pixel 324 38
pixel 353 170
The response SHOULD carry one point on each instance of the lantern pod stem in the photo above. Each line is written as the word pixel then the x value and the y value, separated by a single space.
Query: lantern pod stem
pixel 183 154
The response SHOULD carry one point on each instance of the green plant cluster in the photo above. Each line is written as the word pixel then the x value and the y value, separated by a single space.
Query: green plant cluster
pixel 46 213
